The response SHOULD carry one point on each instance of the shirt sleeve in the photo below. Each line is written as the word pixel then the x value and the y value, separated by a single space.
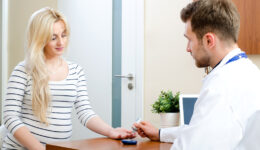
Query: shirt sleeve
pixel 14 97
pixel 82 105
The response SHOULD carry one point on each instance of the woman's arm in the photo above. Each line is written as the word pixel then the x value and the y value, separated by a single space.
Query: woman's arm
pixel 87 116
pixel 97 125
pixel 24 137
pixel 13 107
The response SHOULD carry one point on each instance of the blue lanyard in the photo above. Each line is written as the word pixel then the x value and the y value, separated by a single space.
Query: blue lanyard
pixel 238 56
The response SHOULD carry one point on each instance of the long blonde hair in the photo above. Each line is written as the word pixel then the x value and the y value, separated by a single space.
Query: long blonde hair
pixel 39 33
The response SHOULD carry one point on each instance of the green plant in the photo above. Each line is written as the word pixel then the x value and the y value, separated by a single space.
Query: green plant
pixel 166 102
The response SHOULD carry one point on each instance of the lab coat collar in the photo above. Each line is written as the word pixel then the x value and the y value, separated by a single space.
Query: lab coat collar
pixel 231 54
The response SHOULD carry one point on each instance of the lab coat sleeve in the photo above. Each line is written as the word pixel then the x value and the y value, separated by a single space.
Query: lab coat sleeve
pixel 170 134
pixel 213 125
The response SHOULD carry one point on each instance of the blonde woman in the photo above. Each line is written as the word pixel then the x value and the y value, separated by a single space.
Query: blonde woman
pixel 43 89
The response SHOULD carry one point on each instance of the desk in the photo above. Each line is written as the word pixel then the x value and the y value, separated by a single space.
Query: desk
pixel 108 144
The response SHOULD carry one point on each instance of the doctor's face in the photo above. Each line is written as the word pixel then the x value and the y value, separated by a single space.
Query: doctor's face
pixel 195 47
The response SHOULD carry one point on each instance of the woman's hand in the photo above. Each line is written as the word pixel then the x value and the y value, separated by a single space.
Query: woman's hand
pixel 97 125
pixel 121 133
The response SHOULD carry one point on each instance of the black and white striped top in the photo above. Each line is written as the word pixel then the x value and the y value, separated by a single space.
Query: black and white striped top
pixel 65 94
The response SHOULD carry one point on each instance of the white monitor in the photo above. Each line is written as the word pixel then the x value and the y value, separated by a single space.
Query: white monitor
pixel 187 102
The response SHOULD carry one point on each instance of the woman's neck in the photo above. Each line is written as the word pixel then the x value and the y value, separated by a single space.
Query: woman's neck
pixel 54 65
pixel 52 60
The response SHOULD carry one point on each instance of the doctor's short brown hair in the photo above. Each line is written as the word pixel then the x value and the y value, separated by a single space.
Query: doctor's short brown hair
pixel 218 16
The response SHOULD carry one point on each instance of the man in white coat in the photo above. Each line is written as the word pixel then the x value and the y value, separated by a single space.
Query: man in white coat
pixel 230 92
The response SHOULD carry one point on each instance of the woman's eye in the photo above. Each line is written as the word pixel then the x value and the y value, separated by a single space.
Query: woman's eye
pixel 63 35
pixel 53 38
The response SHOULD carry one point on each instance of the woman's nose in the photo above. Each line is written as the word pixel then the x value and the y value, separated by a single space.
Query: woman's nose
pixel 60 41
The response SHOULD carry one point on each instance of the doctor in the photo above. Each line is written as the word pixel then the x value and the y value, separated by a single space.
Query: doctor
pixel 230 92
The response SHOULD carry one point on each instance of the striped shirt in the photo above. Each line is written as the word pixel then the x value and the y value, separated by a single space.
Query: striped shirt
pixel 65 94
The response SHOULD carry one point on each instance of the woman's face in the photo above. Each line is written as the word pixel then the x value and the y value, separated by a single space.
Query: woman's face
pixel 58 42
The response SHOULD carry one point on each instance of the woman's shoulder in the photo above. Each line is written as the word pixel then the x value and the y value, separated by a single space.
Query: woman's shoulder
pixel 20 70
pixel 74 67
pixel 20 66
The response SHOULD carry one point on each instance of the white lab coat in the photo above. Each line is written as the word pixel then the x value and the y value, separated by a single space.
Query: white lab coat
pixel 252 134
pixel 229 96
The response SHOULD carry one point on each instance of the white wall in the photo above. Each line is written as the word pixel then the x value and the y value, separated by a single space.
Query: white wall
pixel 17 13
pixel 95 40
pixel 1 25
pixel 167 64
pixel 91 47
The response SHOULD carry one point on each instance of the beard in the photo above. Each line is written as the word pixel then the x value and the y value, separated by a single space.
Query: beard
pixel 202 63
pixel 202 59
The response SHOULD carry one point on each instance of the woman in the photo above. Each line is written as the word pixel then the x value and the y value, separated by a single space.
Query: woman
pixel 44 88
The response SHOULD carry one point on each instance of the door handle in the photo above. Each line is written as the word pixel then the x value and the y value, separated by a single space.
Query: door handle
pixel 129 76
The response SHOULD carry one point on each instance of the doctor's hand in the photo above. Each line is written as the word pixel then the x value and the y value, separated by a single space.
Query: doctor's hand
pixel 146 129
pixel 121 133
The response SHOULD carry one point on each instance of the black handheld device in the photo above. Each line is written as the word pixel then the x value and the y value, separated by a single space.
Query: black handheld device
pixel 129 142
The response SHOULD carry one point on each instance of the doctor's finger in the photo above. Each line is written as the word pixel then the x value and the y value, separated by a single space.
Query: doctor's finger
pixel 142 134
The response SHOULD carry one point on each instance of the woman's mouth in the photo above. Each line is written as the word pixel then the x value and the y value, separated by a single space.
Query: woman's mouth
pixel 59 48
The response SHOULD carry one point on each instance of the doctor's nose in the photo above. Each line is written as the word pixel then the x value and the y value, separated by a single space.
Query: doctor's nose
pixel 188 49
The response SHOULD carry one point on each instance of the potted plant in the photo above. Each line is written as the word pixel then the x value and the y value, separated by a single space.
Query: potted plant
pixel 167 105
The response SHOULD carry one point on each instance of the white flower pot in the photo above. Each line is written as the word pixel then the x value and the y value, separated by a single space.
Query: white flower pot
pixel 169 119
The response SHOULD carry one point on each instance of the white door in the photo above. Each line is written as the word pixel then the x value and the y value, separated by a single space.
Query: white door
pixel 91 24
pixel 132 60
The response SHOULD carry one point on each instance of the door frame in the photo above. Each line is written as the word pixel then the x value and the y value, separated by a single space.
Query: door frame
pixel 4 52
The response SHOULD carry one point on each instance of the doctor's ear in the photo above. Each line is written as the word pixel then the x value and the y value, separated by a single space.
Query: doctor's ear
pixel 209 39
